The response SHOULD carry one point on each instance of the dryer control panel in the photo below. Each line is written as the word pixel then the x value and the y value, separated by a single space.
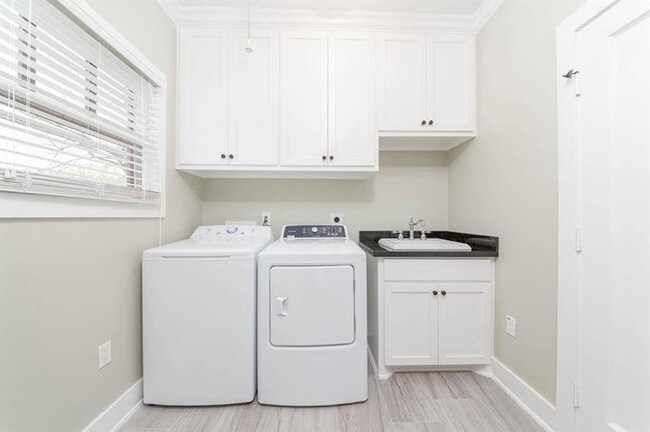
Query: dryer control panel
pixel 291 232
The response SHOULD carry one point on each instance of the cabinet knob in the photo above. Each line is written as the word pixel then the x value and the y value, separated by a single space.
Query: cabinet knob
pixel 435 293
pixel 231 156
pixel 223 156
pixel 324 157
pixel 331 157
pixel 430 122
pixel 444 293
pixel 424 122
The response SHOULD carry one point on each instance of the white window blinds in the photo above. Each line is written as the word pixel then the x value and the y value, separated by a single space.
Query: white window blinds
pixel 76 118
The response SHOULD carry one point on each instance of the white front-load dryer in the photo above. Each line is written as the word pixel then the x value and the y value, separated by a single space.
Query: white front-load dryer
pixel 312 318
pixel 199 317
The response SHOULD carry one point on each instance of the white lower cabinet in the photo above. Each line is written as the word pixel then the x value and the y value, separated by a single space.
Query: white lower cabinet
pixel 411 324
pixel 430 312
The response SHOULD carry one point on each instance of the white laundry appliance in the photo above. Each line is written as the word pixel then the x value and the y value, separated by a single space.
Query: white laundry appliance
pixel 199 315
pixel 311 345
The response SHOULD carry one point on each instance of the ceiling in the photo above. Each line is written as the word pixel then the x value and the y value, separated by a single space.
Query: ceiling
pixel 456 7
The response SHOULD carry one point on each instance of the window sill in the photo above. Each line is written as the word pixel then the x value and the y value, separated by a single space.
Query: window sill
pixel 23 206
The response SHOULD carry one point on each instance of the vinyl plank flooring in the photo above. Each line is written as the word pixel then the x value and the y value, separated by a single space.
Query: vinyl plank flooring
pixel 407 402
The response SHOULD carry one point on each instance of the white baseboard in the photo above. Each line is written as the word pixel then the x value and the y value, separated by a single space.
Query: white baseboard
pixel 541 410
pixel 119 411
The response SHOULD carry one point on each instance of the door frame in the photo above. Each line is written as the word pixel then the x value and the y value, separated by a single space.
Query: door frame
pixel 569 213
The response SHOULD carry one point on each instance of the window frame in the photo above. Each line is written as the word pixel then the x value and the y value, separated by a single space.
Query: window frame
pixel 27 205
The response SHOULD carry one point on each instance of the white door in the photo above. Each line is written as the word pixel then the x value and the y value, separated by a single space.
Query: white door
pixel 402 82
pixel 451 78
pixel 352 107
pixel 303 98
pixel 614 300
pixel 254 102
pixel 464 322
pixel 312 305
pixel 203 97
pixel 411 324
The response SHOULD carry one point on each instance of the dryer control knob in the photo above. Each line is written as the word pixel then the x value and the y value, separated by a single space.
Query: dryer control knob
pixel 231 230
pixel 314 230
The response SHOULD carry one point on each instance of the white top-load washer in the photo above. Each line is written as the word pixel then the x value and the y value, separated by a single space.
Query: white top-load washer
pixel 198 317
pixel 311 344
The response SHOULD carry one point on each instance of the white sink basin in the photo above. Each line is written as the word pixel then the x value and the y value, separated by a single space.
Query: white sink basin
pixel 419 245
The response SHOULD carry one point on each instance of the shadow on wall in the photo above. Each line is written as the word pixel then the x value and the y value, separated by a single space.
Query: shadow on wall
pixel 340 191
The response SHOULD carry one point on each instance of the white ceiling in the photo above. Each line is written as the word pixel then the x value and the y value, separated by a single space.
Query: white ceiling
pixel 456 7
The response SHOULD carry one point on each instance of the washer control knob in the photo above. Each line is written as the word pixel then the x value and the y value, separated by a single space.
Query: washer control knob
pixel 314 230
pixel 231 230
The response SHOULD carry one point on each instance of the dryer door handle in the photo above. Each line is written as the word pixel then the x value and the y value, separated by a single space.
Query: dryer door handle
pixel 282 306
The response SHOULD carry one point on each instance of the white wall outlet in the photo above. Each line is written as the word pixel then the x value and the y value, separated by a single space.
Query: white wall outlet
pixel 104 354
pixel 511 326
pixel 336 218
pixel 266 218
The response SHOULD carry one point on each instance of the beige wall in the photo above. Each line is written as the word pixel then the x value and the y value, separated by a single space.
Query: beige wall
pixel 408 184
pixel 67 286
pixel 505 181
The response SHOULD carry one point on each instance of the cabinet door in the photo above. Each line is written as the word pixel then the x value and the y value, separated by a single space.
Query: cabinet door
pixel 451 75
pixel 253 109
pixel 464 323
pixel 402 82
pixel 203 97
pixel 303 98
pixel 411 324
pixel 352 94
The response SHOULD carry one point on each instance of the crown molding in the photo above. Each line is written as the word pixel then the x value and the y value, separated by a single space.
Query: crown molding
pixel 484 12
pixel 216 16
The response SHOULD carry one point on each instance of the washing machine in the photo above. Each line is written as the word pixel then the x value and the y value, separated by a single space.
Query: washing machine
pixel 312 318
pixel 199 317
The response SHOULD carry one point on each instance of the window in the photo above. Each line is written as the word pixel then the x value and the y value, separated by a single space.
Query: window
pixel 77 118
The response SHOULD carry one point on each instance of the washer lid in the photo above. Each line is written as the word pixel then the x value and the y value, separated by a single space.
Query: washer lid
pixel 216 241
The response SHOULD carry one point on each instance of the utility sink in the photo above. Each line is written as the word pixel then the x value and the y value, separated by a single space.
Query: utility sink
pixel 419 245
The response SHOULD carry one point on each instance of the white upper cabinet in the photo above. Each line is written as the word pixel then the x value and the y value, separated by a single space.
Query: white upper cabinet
pixel 451 92
pixel 352 113
pixel 203 97
pixel 303 98
pixel 402 86
pixel 312 103
pixel 427 85
pixel 253 106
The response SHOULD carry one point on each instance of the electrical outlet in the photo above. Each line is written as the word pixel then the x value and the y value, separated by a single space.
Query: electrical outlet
pixel 104 354
pixel 266 218
pixel 511 326
pixel 336 218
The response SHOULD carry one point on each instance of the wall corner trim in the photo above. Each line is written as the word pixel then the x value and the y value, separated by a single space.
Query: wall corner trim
pixel 541 410
pixel 485 12
pixel 113 417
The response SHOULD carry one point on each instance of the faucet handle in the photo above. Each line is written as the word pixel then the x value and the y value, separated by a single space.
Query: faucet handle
pixel 423 235
pixel 400 235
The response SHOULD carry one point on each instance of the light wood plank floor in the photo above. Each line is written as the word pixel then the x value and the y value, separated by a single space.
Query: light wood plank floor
pixel 407 402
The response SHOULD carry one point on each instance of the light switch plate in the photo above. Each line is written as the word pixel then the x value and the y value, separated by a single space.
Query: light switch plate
pixel 104 354
pixel 511 326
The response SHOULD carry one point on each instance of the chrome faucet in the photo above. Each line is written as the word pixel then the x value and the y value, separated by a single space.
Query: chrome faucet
pixel 412 226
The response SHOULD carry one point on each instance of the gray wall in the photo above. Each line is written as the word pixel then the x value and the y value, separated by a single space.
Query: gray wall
pixel 66 286
pixel 505 181
pixel 408 184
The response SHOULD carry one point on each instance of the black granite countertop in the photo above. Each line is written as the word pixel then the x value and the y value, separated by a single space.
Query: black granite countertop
pixel 482 246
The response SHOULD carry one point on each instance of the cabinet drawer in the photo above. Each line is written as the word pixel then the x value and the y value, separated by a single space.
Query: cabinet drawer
pixel 437 270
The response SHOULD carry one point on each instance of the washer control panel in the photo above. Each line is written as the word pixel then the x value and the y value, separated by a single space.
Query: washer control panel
pixel 213 232
pixel 314 231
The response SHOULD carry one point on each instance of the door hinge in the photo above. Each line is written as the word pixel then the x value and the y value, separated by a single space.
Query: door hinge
pixel 576 395
pixel 579 239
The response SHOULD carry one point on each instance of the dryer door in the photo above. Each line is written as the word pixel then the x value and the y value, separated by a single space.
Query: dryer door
pixel 312 305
